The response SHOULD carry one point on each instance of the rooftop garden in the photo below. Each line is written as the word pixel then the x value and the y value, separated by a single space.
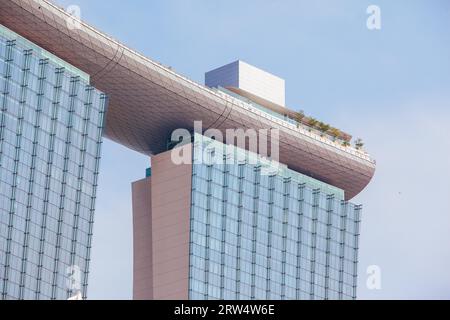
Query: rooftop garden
pixel 324 129
pixel 306 122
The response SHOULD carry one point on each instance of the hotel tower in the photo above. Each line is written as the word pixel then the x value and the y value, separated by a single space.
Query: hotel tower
pixel 213 218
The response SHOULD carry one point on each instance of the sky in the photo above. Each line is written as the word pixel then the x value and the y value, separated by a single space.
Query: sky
pixel 391 87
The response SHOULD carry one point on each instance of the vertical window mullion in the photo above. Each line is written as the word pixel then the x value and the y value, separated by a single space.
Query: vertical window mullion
pixel 358 210
pixel 286 187
pixel 344 214
pixel 315 212
pixel 330 202
pixel 225 178
pixel 269 230
pixel 301 202
pixel 50 155
pixel 43 64
pixel 256 199
pixel 23 95
pixel 239 226
pixel 9 61
pixel 208 228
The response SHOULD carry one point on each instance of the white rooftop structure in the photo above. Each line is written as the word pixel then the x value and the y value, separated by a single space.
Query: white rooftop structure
pixel 250 79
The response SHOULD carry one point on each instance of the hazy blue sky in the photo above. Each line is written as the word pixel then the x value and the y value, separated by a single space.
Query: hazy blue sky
pixel 391 87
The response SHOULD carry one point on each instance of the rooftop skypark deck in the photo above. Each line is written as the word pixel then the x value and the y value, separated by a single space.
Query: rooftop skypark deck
pixel 298 119
pixel 302 127
pixel 147 101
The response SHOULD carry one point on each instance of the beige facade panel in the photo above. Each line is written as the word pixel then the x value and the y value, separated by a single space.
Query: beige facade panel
pixel 142 237
pixel 161 225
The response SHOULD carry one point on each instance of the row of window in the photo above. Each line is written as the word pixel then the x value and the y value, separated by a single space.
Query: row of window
pixel 68 233
pixel 269 233
pixel 246 197
pixel 73 201
pixel 77 96
pixel 247 236
pixel 46 267
pixel 28 132
pixel 262 255
pixel 258 184
pixel 259 274
pixel 233 162
pixel 201 292
pixel 251 224
pixel 50 140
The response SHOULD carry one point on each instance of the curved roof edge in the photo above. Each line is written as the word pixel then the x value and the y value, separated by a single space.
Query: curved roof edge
pixel 148 101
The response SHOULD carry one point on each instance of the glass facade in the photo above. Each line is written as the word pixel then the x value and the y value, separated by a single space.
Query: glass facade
pixel 267 234
pixel 51 125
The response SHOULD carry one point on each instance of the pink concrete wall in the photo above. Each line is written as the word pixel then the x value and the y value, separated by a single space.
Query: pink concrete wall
pixel 142 237
pixel 167 221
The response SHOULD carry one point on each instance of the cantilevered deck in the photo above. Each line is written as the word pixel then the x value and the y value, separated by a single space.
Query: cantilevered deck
pixel 148 101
